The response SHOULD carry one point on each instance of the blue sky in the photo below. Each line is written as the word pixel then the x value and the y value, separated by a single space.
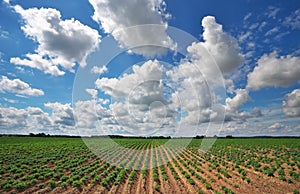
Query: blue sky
pixel 86 67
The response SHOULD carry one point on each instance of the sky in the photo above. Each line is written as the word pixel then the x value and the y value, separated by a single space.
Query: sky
pixel 150 67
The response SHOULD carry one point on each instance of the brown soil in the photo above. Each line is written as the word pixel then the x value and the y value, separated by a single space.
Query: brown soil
pixel 259 182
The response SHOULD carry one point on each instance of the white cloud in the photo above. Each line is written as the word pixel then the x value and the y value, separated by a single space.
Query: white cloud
pixel 235 103
pixel 62 114
pixel 18 86
pixel 293 20
pixel 10 100
pixel 247 16
pixel 12 118
pixel 257 112
pixel 149 75
pixel 291 106
pixel 262 25
pixel 253 26
pixel 276 126
pixel 35 120
pixel 3 34
pixel 223 47
pixel 274 71
pixel 272 12
pixel 251 45
pixel 197 77
pixel 89 115
pixel 272 31
pixel 245 36
pixel 60 42
pixel 139 105
pixel 92 92
pixel 34 110
pixel 23 121
pixel 117 15
pixel 99 70
pixel 38 62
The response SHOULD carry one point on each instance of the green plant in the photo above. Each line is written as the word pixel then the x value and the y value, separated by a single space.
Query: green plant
pixel 52 183
pixel 41 185
pixel 63 184
pixel 20 186
pixel 191 181
pixel 207 185
pixel 295 191
pixel 247 180
pixel 77 183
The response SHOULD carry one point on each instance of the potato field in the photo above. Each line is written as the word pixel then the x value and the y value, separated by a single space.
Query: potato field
pixel 68 165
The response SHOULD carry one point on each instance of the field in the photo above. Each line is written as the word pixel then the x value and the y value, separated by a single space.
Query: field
pixel 67 165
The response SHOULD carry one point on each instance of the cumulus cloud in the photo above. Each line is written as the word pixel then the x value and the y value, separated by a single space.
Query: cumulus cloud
pixel 218 55
pixel 291 105
pixel 149 75
pixel 257 112
pixel 34 110
pixel 12 118
pixel 92 92
pixel 60 42
pixel 99 70
pixel 89 115
pixel 275 71
pixel 197 76
pixel 235 103
pixel 223 47
pixel 141 104
pixel 60 120
pixel 38 62
pixel 23 121
pixel 18 86
pixel 193 96
pixel 115 16
pixel 62 114
pixel 275 126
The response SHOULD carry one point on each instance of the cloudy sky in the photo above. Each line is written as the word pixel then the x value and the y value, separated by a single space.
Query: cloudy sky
pixel 150 67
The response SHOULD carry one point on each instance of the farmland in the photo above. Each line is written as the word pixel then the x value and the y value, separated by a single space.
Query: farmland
pixel 67 165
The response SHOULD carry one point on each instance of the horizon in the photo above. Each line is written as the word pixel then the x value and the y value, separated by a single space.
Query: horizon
pixel 146 137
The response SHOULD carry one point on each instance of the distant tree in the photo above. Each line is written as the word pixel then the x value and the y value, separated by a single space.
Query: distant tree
pixel 41 134
pixel 199 137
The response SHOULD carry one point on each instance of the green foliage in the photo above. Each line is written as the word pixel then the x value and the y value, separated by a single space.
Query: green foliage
pixel 226 190
pixel 63 184
pixel 77 183
pixel 200 191
pixel 295 191
pixel 52 183
pixel 131 176
pixel 191 181
pixel 67 162
pixel 156 187
pixel 207 185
